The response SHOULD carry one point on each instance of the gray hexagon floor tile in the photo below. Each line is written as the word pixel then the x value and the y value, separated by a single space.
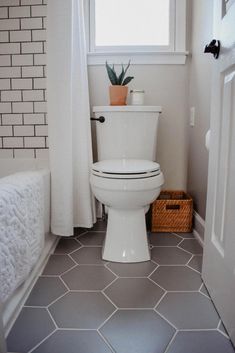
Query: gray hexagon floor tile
pixel 88 277
pixel 137 331
pixel 141 269
pixel 177 278
pixel 134 293
pixel 67 245
pixel 190 310
pixel 73 342
pixel 169 256
pixel 185 235
pixel 88 256
pixel 57 264
pixel 30 328
pixel 92 239
pixel 200 342
pixel 191 245
pixel 196 263
pixel 164 239
pixel 45 291
pixel 99 226
pixel 81 310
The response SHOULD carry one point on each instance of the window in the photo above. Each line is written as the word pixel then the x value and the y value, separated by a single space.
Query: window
pixel 136 27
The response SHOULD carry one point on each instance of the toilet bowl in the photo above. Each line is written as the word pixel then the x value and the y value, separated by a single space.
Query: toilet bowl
pixel 126 187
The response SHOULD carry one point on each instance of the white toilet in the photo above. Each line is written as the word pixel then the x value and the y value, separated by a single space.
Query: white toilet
pixel 126 179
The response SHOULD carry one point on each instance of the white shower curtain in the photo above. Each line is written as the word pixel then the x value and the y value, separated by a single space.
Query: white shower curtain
pixel 68 118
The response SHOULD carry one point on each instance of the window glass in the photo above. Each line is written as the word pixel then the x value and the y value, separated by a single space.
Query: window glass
pixel 132 23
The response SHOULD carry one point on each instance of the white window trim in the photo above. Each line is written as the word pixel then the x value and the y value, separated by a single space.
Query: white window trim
pixel 174 54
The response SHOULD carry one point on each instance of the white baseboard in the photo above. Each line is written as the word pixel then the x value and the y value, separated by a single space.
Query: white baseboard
pixel 15 303
pixel 199 231
pixel 198 237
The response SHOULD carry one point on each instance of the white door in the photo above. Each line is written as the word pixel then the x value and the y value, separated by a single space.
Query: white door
pixel 219 252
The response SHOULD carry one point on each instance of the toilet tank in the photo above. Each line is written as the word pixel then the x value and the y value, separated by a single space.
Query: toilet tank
pixel 127 132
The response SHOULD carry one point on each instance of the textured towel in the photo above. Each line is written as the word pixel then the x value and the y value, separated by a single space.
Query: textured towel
pixel 21 228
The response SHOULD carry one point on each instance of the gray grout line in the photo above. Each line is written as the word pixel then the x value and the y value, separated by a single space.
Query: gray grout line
pixel 107 319
pixel 190 259
pixel 183 291
pixel 76 329
pixel 54 301
pixel 106 266
pixel 106 342
pixel 201 286
pixel 136 309
pixel 205 295
pixel 155 262
pixel 115 279
pixel 197 329
pixel 193 237
pixel 188 252
pixel 223 333
pixel 109 299
pixel 156 284
pixel 72 252
pixel 159 301
pixel 78 241
pixel 52 318
pixel 163 317
pixel 65 284
pixel 191 268
pixel 172 339
pixel 43 340
pixel 71 268
pixel 91 246
pixel 35 306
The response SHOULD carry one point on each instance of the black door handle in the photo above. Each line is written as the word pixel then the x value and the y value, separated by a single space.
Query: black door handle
pixel 213 48
pixel 101 119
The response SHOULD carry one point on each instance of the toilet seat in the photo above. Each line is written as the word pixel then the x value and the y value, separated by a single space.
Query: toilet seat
pixel 126 169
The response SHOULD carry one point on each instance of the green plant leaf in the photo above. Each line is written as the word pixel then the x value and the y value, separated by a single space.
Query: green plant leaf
pixel 127 67
pixel 111 74
pixel 127 80
pixel 121 76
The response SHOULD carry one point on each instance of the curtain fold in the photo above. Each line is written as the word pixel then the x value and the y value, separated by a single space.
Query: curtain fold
pixel 70 149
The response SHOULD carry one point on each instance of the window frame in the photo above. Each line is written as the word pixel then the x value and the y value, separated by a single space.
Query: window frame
pixel 175 53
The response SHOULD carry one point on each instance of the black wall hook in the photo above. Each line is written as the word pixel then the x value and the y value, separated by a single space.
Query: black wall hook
pixel 213 48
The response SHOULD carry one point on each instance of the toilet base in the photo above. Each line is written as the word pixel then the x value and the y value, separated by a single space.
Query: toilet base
pixel 126 236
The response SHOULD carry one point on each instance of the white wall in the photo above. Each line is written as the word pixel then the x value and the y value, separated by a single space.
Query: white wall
pixel 200 91
pixel 165 85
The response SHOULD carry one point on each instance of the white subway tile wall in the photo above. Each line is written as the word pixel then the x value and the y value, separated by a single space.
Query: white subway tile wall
pixel 23 108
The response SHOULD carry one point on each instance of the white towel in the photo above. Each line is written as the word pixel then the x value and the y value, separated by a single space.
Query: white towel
pixel 21 228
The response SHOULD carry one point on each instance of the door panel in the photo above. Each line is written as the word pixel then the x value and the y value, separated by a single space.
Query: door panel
pixel 219 250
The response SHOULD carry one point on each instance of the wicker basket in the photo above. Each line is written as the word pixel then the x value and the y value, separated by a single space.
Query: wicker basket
pixel 172 212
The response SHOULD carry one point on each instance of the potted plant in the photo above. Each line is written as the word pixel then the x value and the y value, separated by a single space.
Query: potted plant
pixel 118 90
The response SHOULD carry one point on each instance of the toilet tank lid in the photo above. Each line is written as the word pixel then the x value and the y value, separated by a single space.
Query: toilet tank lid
pixel 126 166
pixel 128 108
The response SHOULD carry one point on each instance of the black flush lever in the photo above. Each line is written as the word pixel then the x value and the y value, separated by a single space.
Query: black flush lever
pixel 101 119
pixel 213 48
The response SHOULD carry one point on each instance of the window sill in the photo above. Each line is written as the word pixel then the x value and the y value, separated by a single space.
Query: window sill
pixel 150 58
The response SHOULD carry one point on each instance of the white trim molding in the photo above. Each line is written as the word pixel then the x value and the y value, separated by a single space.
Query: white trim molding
pixel 138 58
pixel 199 228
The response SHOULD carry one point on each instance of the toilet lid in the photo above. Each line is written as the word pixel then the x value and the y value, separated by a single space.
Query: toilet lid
pixel 126 167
